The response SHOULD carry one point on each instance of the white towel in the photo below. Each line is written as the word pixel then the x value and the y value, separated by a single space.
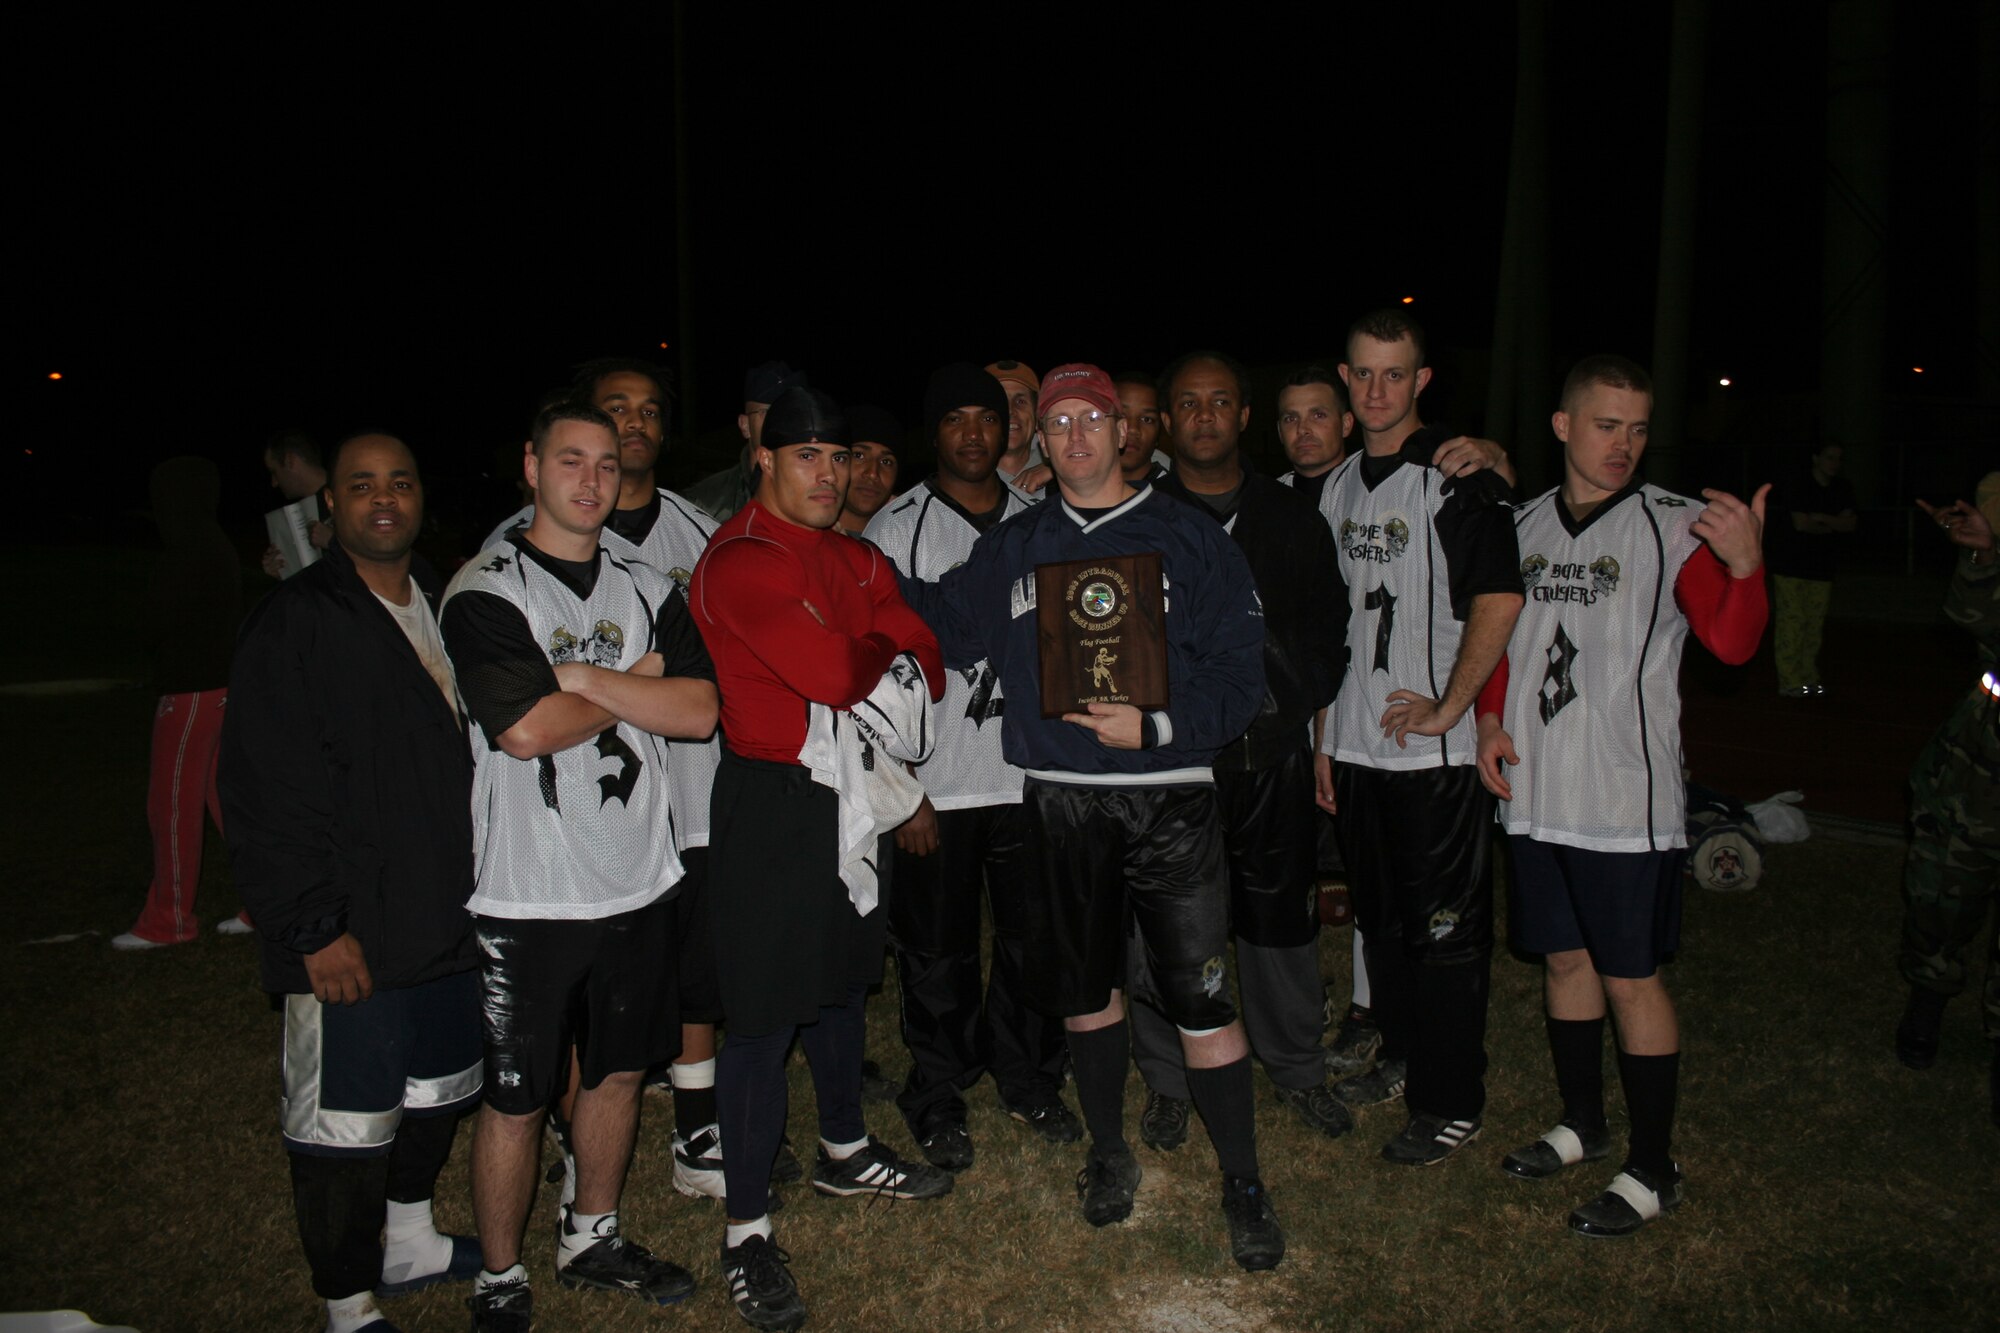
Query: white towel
pixel 861 753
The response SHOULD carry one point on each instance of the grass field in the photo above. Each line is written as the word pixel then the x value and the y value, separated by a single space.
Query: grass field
pixel 1827 1186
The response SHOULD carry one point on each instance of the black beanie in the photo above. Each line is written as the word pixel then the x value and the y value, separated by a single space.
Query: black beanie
pixel 866 422
pixel 960 384
pixel 803 416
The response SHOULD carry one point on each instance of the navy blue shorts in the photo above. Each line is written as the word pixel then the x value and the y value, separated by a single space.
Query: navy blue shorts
pixel 1624 907
pixel 353 1071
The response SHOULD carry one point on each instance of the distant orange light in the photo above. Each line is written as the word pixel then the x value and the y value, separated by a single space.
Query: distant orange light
pixel 1917 370
pixel 663 346
pixel 1409 300
pixel 55 374
pixel 29 452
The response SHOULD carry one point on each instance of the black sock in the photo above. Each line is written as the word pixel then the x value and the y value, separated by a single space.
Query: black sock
pixel 1651 1083
pixel 694 1109
pixel 1101 1057
pixel 1577 1046
pixel 1224 1097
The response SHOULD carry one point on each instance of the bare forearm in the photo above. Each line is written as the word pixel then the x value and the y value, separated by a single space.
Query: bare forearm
pixel 1487 630
pixel 674 706
pixel 553 725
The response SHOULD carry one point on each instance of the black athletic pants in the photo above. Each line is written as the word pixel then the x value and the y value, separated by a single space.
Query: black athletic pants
pixel 954 1032
pixel 1417 846
pixel 750 1096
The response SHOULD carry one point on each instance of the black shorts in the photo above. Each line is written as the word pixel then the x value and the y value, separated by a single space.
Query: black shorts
pixel 1148 856
pixel 934 909
pixel 787 939
pixel 1416 842
pixel 701 999
pixel 1624 907
pixel 1271 829
pixel 608 986
pixel 353 1071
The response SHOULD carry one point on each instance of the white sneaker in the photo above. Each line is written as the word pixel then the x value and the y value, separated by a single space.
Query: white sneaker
pixel 130 943
pixel 234 925
pixel 698 1164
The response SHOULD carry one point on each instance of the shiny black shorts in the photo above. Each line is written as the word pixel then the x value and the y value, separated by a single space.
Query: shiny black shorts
pixel 607 986
pixel 1419 866
pixel 1113 857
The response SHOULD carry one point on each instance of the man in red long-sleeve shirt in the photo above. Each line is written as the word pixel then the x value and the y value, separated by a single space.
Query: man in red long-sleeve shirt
pixel 1617 572
pixel 795 614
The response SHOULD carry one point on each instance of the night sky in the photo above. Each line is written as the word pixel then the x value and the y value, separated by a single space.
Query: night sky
pixel 233 229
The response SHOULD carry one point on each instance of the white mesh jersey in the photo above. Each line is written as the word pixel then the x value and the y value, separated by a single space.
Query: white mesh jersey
pixel 925 535
pixel 674 546
pixel 588 832
pixel 1593 690
pixel 1400 633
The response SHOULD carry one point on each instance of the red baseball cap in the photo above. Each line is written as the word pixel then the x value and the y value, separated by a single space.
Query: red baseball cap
pixel 1079 380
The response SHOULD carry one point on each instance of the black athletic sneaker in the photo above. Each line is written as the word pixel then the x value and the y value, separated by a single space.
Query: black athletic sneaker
pixel 877 1170
pixel 616 1264
pixel 1383 1083
pixel 944 1141
pixel 1319 1108
pixel 1429 1139
pixel 761 1285
pixel 1163 1125
pixel 1106 1186
pixel 1255 1237
pixel 1050 1118
pixel 506 1307
pixel 1355 1044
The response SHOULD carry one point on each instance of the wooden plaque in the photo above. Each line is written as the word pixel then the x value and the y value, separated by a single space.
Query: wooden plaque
pixel 1103 631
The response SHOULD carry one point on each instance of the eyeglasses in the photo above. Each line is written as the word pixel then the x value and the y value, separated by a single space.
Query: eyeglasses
pixel 1093 422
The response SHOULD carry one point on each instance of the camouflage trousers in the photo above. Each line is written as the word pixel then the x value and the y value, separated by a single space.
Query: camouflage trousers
pixel 1953 865
pixel 1801 607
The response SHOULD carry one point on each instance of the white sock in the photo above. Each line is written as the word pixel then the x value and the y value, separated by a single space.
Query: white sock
pixel 569 1179
pixel 735 1233
pixel 411 1245
pixel 483 1280
pixel 351 1312
pixel 698 1074
pixel 1361 991
pixel 580 1231
pixel 840 1152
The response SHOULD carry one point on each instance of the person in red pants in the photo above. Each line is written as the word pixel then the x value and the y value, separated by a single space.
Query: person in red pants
pixel 196 603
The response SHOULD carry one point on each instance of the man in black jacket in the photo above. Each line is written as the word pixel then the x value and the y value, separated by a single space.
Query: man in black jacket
pixel 1264 781
pixel 346 788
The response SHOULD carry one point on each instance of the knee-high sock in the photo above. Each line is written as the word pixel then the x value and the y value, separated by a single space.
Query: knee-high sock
pixel 340 1204
pixel 1577 1047
pixel 750 1104
pixel 1225 1099
pixel 1101 1056
pixel 1652 1084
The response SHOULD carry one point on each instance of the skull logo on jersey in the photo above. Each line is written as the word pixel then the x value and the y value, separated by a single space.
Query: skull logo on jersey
pixel 1533 568
pixel 606 646
pixel 562 646
pixel 1604 575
